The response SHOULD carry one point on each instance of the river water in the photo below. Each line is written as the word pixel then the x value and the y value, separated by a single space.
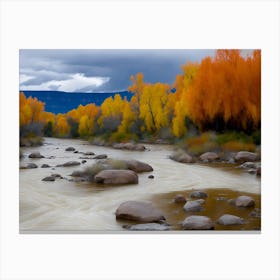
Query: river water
pixel 69 206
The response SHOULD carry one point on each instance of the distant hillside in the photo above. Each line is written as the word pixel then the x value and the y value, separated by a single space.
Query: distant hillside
pixel 62 102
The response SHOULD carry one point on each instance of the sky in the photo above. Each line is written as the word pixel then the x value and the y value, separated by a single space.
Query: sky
pixel 100 70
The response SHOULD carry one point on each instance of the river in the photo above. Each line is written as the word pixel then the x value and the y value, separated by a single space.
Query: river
pixel 70 206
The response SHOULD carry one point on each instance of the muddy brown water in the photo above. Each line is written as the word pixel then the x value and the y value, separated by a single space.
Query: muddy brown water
pixel 70 206
pixel 216 205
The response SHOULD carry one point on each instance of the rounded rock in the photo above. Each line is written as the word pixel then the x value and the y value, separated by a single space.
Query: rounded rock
pixel 197 223
pixel 230 220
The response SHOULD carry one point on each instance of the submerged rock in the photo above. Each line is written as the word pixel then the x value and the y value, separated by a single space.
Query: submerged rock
pixel 35 155
pixel 230 220
pixel 139 211
pixel 45 165
pixel 102 156
pixel 197 223
pixel 116 177
pixel 151 176
pixel 256 213
pixel 89 153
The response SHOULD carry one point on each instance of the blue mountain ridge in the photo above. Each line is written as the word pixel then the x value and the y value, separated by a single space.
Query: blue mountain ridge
pixel 62 102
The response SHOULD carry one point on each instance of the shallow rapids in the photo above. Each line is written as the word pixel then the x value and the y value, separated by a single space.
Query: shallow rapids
pixel 70 206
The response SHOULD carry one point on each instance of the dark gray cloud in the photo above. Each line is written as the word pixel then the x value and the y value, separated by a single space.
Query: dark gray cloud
pixel 100 70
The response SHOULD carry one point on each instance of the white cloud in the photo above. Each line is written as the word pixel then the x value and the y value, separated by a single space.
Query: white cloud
pixel 76 82
pixel 24 78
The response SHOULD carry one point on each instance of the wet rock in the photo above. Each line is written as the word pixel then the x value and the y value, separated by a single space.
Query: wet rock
pixel 69 163
pixel 89 153
pixel 248 164
pixel 259 171
pixel 179 198
pixel 78 173
pixel 29 166
pixel 76 152
pixel 244 201
pixel 49 179
pixel 182 157
pixel 252 171
pixel 151 176
pixel 198 194
pixel 230 220
pixel 209 157
pixel 194 205
pixel 256 213
pixel 129 146
pixel 244 156
pixel 116 177
pixel 138 166
pixel 84 161
pixel 102 156
pixel 35 155
pixel 197 223
pixel 149 226
pixel 70 149
pixel 45 165
pixel 56 175
pixel 139 211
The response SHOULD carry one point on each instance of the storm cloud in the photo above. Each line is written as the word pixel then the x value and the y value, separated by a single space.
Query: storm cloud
pixel 100 70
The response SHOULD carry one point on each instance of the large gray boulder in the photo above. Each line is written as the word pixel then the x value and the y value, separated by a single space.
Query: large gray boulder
pixel 244 156
pixel 230 220
pixel 35 155
pixel 194 205
pixel 116 177
pixel 149 226
pixel 182 157
pixel 209 157
pixel 49 179
pixel 138 166
pixel 244 201
pixel 139 211
pixel 197 223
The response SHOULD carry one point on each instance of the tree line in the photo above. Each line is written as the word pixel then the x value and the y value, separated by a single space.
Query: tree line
pixel 220 93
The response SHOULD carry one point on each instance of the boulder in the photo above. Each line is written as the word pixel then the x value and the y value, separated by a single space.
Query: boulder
pixel 198 194
pixel 45 165
pixel 197 223
pixel 209 157
pixel 49 179
pixel 102 156
pixel 139 211
pixel 70 149
pixel 244 156
pixel 182 157
pixel 149 226
pixel 151 176
pixel 89 153
pixel 179 198
pixel 56 175
pixel 244 201
pixel 129 146
pixel 230 220
pixel 194 205
pixel 29 166
pixel 35 155
pixel 69 163
pixel 78 173
pixel 116 177
pixel 138 166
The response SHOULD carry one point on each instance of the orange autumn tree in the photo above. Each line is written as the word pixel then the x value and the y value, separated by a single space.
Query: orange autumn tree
pixel 225 93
